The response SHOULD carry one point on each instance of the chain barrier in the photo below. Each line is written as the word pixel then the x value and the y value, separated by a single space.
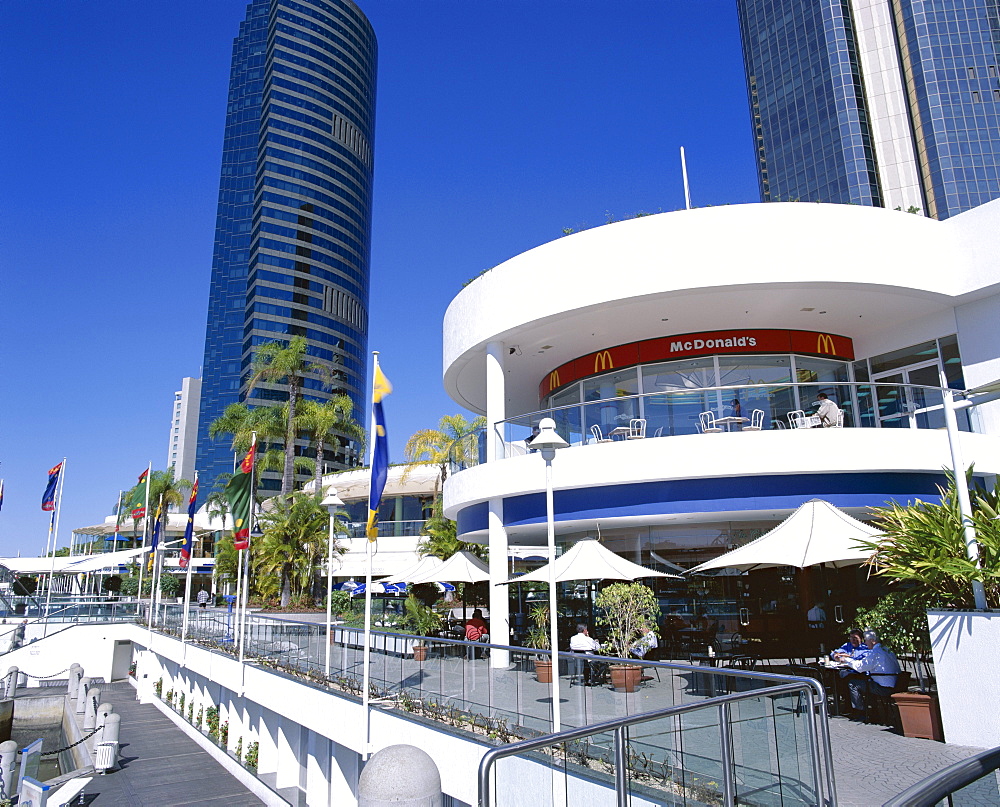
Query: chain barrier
pixel 41 677
pixel 71 745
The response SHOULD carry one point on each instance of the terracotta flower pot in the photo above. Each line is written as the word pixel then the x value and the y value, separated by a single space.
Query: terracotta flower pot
pixel 419 652
pixel 625 677
pixel 543 670
pixel 920 715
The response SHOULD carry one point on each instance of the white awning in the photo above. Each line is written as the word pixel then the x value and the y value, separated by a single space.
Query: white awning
pixel 70 565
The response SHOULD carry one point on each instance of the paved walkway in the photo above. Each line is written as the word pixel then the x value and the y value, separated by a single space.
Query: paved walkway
pixel 160 765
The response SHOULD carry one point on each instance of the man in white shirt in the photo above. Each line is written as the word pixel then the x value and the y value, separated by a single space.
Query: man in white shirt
pixel 827 411
pixel 583 643
pixel 881 668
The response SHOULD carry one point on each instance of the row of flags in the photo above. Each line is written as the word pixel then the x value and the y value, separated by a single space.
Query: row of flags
pixel 239 490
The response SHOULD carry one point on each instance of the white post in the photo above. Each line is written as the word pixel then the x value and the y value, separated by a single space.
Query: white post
pixel 237 627
pixel 367 653
pixel 332 499
pixel 962 489
pixel 684 173
pixel 553 610
pixel 499 595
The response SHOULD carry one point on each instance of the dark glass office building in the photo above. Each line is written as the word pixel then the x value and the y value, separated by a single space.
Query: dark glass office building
pixel 292 240
pixel 892 103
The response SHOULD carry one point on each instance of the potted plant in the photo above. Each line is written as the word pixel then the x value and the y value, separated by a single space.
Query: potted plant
pixel 900 620
pixel 538 639
pixel 923 550
pixel 627 609
pixel 422 620
pixel 170 586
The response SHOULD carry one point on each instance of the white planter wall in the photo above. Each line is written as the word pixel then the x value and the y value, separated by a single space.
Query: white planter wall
pixel 966 648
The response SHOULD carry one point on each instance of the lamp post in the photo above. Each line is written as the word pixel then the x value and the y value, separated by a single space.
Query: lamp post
pixel 331 502
pixel 546 442
pixel 255 535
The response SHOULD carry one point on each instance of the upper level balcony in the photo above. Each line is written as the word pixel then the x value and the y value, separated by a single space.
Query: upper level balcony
pixel 642 457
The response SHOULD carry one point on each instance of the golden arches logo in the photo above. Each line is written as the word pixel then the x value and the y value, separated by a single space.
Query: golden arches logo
pixel 603 361
pixel 553 380
pixel 824 344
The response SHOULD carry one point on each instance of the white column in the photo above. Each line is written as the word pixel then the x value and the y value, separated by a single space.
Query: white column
pixel 496 412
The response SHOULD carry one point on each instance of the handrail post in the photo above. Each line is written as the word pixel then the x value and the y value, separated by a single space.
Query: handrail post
pixel 726 740
pixel 621 766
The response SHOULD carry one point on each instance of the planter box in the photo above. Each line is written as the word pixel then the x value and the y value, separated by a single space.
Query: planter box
pixel 920 715
pixel 965 646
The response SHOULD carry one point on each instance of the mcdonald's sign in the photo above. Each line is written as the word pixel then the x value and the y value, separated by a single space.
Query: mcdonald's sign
pixel 824 343
pixel 705 343
pixel 603 361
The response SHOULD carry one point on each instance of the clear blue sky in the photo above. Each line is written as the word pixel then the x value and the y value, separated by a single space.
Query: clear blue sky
pixel 499 124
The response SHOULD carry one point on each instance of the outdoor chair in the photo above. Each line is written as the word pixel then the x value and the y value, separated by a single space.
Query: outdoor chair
pixel 706 420
pixel 795 417
pixel 636 429
pixel 840 419
pixel 658 432
pixel 598 435
pixel 756 421
pixel 879 707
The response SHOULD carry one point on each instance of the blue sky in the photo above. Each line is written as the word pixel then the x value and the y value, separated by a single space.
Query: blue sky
pixel 499 124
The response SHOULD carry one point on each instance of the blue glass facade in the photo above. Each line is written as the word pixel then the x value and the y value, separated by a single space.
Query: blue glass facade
pixel 812 117
pixel 950 51
pixel 293 229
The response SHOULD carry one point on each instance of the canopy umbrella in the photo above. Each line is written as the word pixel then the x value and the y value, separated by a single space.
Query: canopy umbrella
pixel 419 569
pixel 380 588
pixel 589 560
pixel 817 532
pixel 462 567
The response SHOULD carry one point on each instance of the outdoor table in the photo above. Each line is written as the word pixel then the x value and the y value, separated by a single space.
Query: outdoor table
pixel 711 682
pixel 808 422
pixel 833 682
pixel 620 431
pixel 731 421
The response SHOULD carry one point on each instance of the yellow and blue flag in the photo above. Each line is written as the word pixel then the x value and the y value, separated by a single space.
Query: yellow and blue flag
pixel 380 451
pixel 49 496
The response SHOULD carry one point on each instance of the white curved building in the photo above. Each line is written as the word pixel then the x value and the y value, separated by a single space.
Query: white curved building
pixel 728 311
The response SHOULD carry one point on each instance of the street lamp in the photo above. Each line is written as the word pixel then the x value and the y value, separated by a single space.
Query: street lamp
pixel 546 442
pixel 331 502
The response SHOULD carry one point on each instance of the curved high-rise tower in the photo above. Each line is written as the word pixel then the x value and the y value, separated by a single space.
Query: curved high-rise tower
pixel 292 239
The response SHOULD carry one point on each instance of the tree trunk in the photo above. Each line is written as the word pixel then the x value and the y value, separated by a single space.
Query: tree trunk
pixel 288 473
pixel 286 588
pixel 319 463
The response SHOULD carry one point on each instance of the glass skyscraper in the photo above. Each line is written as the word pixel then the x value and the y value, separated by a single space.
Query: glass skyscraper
pixel 293 230
pixel 893 103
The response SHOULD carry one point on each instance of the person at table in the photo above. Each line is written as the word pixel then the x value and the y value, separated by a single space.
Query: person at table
pixel 734 409
pixel 855 644
pixel 881 669
pixel 582 642
pixel 476 629
pixel 816 617
pixel 827 411
pixel 646 643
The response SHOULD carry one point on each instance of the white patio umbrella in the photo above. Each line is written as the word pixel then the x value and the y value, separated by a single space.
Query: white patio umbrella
pixel 589 560
pixel 817 532
pixel 462 567
pixel 419 569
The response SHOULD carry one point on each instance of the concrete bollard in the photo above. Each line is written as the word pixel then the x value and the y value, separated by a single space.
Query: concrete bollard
pixel 102 715
pixel 112 727
pixel 81 695
pixel 90 712
pixel 400 776
pixel 11 681
pixel 73 685
pixel 8 758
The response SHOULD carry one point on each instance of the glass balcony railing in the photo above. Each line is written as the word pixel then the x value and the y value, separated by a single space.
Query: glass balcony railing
pixel 764 407
pixel 356 529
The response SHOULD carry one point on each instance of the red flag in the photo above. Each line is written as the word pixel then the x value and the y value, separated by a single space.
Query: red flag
pixel 246 466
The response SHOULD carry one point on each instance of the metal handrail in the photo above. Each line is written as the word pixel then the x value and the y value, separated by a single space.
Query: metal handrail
pixel 940 785
pixel 618 726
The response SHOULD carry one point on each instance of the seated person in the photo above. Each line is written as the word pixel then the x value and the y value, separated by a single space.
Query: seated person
pixel 646 643
pixel 827 411
pixel 583 643
pixel 855 644
pixel 476 629
pixel 881 668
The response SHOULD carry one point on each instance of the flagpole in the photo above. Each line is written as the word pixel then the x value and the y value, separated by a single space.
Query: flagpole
pixel 55 540
pixel 366 666
pixel 187 581
pixel 158 528
pixel 118 522
pixel 145 523
pixel 245 571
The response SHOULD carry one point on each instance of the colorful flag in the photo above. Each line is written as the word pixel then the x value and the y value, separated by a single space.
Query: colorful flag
pixel 138 504
pixel 380 451
pixel 189 527
pixel 49 497
pixel 239 494
pixel 157 519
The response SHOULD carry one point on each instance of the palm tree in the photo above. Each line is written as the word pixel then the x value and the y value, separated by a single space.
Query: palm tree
pixel 294 543
pixel 161 484
pixel 280 362
pixel 455 440
pixel 329 421
pixel 440 538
